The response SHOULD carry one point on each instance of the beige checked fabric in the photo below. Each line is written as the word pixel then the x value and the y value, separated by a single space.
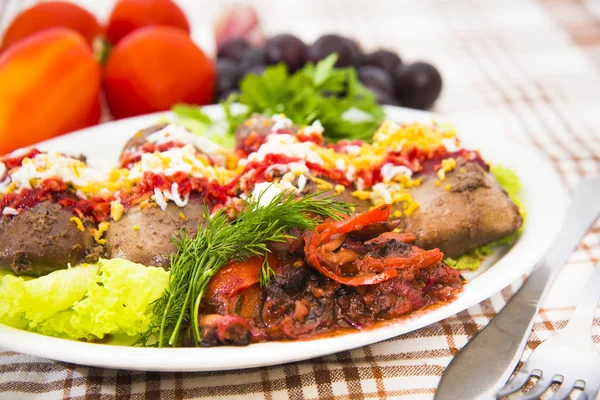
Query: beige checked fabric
pixel 523 70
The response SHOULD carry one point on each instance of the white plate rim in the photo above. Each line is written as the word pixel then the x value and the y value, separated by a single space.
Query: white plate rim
pixel 540 181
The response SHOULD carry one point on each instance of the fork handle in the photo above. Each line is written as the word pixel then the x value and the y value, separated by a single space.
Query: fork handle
pixel 505 337
pixel 583 317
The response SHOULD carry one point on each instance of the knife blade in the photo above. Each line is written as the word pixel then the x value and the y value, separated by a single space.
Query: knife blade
pixel 486 362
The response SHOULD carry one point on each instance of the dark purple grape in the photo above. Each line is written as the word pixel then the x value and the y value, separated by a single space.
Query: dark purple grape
pixel 233 48
pixel 418 85
pixel 328 44
pixel 358 55
pixel 376 77
pixel 251 57
pixel 384 59
pixel 287 49
pixel 255 69
pixel 227 75
pixel 383 97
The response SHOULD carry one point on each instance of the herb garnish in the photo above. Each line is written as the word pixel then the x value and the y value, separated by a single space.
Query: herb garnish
pixel 199 258
pixel 315 92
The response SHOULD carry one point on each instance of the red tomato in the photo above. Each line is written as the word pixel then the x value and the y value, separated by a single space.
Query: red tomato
pixel 49 85
pixel 129 15
pixel 49 15
pixel 154 68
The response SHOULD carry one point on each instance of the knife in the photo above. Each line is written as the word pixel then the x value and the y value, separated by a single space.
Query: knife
pixel 486 362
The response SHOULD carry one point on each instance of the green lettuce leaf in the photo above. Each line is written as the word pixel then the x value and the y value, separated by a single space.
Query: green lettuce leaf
pixel 112 297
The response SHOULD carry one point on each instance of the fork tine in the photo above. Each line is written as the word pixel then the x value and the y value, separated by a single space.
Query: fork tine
pixel 564 390
pixel 516 383
pixel 590 391
pixel 539 388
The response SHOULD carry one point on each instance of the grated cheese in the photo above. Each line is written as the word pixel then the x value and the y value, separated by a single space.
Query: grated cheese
pixel 78 223
pixel 286 145
pixel 116 210
pixel 98 233
pixel 315 128
pixel 265 192
pixel 390 171
pixel 301 182
pixel 280 122
pixel 178 133
pixel 159 199
pixel 9 211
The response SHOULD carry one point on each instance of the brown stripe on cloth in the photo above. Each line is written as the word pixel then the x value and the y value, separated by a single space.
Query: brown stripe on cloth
pixel 153 385
pixel 376 370
pixel 323 380
pixel 68 382
pixel 93 384
pixel 293 383
pixel 265 383
pixel 123 381
pixel 351 375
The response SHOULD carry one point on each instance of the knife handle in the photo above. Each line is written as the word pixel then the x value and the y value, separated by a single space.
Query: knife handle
pixel 486 362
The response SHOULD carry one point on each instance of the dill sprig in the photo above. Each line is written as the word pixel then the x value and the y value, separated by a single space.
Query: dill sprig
pixel 199 258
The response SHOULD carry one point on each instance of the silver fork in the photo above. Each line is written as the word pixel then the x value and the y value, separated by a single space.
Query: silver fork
pixel 570 357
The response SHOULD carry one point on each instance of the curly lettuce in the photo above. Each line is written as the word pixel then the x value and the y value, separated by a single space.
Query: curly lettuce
pixel 89 301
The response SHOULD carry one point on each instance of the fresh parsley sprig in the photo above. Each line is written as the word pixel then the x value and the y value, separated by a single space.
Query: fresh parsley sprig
pixel 221 241
pixel 315 92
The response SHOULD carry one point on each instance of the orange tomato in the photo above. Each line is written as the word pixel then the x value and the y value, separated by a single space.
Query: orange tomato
pixel 49 85
pixel 154 68
pixel 129 15
pixel 49 15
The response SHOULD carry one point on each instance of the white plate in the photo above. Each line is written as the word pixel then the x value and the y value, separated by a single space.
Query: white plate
pixel 543 196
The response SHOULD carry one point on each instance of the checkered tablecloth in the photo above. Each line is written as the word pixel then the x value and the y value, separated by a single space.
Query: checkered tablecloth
pixel 524 70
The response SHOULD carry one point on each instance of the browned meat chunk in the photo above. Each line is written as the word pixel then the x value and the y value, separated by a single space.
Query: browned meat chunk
pixel 144 235
pixel 43 239
pixel 472 211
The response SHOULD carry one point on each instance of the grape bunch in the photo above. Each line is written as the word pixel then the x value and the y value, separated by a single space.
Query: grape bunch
pixel 414 85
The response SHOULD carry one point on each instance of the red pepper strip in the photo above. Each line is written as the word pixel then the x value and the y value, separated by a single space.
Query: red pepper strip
pixel 235 277
pixel 388 268
pixel 379 214
pixel 312 256
pixel 405 237
pixel 365 279
pixel 416 260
